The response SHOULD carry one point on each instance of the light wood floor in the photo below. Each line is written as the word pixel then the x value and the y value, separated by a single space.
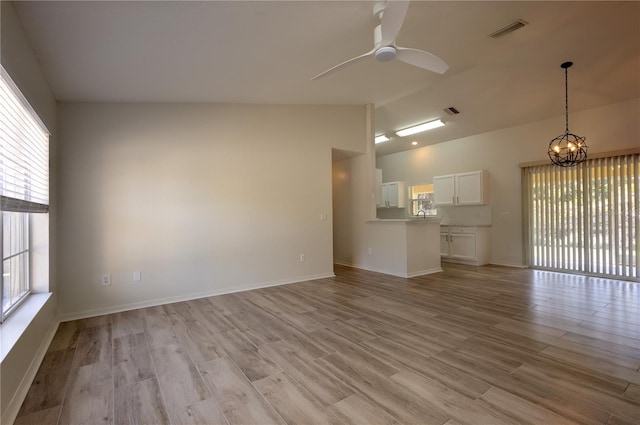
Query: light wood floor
pixel 471 345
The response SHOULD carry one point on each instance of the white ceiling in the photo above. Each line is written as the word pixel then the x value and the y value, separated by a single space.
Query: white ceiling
pixel 267 51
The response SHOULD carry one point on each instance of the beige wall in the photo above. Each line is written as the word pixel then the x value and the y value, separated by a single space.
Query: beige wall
pixel 354 204
pixel 608 128
pixel 21 361
pixel 202 199
pixel 342 206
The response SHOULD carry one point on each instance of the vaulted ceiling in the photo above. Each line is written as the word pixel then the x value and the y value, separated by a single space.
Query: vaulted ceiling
pixel 267 51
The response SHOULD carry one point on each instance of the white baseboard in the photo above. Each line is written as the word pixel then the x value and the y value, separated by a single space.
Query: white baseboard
pixel 397 273
pixel 499 263
pixel 187 297
pixel 424 272
pixel 369 269
pixel 13 408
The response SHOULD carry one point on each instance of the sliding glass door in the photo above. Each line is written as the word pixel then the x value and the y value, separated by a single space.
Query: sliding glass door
pixel 585 219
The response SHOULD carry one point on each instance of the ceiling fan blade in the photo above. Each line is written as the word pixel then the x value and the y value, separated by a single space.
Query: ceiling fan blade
pixel 422 59
pixel 392 19
pixel 340 65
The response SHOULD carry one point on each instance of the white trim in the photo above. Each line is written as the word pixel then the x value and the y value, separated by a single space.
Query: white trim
pixel 500 263
pixel 390 273
pixel 168 300
pixel 423 272
pixel 396 273
pixel 12 409
pixel 343 263
pixel 15 325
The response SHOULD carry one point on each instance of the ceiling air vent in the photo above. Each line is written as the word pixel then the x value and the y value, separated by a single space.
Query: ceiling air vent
pixel 509 28
pixel 451 110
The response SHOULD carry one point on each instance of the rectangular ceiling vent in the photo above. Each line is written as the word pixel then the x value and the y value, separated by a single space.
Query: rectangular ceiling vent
pixel 509 28
pixel 451 110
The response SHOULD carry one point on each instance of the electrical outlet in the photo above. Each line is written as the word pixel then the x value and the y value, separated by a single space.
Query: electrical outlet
pixel 370 251
pixel 137 276
pixel 105 280
pixel 301 257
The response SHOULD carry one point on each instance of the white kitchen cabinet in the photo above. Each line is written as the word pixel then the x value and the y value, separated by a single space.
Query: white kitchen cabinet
pixel 461 189
pixel 394 195
pixel 465 244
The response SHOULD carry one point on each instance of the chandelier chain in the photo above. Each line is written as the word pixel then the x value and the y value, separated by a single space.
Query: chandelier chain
pixel 566 99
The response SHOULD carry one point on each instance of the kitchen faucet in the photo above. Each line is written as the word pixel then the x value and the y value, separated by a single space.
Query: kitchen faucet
pixel 423 212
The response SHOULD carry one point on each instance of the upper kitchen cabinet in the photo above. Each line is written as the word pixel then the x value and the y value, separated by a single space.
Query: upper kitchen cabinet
pixel 394 195
pixel 470 188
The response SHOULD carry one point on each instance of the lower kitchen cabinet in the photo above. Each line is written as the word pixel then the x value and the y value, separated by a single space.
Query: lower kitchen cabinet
pixel 465 244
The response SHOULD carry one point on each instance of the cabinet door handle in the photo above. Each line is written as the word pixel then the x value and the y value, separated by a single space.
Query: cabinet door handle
pixel 453 199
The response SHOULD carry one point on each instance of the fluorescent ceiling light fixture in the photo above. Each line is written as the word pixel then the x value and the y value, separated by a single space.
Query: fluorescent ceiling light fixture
pixel 381 138
pixel 420 128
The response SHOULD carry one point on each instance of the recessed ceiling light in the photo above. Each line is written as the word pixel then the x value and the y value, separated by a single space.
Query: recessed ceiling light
pixel 414 143
pixel 420 128
pixel 381 138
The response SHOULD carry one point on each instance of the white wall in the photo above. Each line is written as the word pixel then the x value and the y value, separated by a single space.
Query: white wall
pixel 21 361
pixel 202 199
pixel 609 128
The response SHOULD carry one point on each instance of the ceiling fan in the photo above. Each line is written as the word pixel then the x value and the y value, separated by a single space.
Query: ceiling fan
pixel 391 15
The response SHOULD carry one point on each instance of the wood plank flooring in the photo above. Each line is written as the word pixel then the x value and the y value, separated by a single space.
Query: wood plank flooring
pixel 470 345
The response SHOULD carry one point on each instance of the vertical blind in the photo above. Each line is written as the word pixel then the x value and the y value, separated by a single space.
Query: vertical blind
pixel 585 219
pixel 24 153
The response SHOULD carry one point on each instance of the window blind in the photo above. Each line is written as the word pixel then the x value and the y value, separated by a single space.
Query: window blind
pixel 24 152
pixel 585 219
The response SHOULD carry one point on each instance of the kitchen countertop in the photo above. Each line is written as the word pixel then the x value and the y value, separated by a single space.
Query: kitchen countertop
pixel 431 220
pixel 465 225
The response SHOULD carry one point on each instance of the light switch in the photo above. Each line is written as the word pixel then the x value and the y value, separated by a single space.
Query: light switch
pixel 137 276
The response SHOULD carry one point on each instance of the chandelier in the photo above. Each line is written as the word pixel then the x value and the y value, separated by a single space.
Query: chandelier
pixel 567 149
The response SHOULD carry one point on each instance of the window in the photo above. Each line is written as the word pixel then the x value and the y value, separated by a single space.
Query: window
pixel 585 219
pixel 24 189
pixel 15 259
pixel 422 201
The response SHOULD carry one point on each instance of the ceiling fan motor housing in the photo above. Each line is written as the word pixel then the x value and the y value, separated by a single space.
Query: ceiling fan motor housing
pixel 385 54
pixel 382 53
